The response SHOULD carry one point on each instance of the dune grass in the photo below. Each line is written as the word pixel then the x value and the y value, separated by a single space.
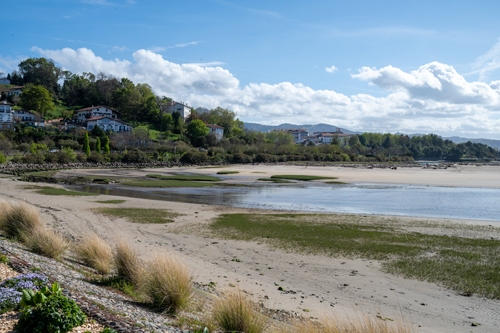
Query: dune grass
pixel 111 201
pixel 274 180
pixel 234 312
pixel 468 265
pixel 140 215
pixel 301 177
pixel 227 172
pixel 96 253
pixel 46 242
pixel 47 190
pixel 166 183
pixel 127 263
pixel 20 220
pixel 167 283
pixel 50 173
pixel 194 178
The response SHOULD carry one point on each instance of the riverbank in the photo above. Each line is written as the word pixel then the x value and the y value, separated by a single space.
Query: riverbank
pixel 322 284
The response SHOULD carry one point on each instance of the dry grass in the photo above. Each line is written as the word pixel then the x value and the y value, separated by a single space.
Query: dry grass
pixel 235 312
pixel 168 283
pixel 96 253
pixel 20 220
pixel 127 263
pixel 347 324
pixel 46 242
pixel 4 212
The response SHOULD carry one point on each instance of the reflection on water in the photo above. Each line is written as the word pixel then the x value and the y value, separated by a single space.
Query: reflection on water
pixel 383 199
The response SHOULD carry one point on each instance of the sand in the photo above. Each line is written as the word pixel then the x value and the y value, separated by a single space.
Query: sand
pixel 322 284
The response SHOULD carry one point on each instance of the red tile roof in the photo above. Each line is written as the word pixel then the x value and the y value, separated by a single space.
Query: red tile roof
pixel 101 117
pixel 96 107
pixel 214 126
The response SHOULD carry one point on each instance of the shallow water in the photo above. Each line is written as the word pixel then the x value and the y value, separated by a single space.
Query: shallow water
pixel 380 199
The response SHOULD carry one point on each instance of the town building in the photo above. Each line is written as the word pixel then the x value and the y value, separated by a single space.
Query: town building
pixel 108 123
pixel 16 91
pixel 96 111
pixel 6 115
pixel 10 117
pixel 299 134
pixel 182 108
pixel 217 130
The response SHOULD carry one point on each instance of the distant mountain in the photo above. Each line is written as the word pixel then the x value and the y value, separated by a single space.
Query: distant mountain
pixel 310 128
pixel 490 142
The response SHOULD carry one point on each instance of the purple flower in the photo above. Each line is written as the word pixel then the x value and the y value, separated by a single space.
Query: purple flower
pixel 9 299
pixel 27 281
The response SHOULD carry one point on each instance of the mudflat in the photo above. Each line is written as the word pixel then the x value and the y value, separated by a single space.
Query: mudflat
pixel 311 284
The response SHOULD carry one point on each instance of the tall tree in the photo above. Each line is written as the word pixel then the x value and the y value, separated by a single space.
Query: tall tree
pixel 106 145
pixel 86 144
pixel 195 129
pixel 41 71
pixel 98 146
pixel 38 99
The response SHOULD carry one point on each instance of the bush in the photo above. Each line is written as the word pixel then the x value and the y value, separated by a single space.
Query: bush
pixel 234 312
pixel 69 143
pixel 81 157
pixel 241 158
pixel 46 242
pixel 114 157
pixel 194 157
pixel 2 158
pixel 135 156
pixel 17 159
pixel 33 159
pixel 127 262
pixel 96 253
pixel 51 158
pixel 95 157
pixel 264 158
pixel 168 283
pixel 21 219
pixel 58 314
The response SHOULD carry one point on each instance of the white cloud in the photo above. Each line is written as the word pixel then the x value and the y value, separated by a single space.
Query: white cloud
pixel 8 64
pixel 433 98
pixel 488 62
pixel 331 69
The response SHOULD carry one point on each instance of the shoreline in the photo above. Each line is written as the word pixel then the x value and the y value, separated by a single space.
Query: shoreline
pixel 320 279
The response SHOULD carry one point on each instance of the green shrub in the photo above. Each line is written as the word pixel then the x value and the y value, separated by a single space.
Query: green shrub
pixel 194 157
pixel 58 314
pixel 33 159
pixel 81 157
pixel 2 158
pixel 95 157
pixel 135 156
pixel 108 330
pixel 241 158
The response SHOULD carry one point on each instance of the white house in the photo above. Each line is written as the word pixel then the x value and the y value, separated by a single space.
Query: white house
pixel 16 91
pixel 6 115
pixel 217 130
pixel 108 123
pixel 26 117
pixel 4 80
pixel 299 134
pixel 96 111
pixel 173 106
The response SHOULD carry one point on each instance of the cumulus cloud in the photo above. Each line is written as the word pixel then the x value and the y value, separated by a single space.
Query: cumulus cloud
pixel 433 98
pixel 331 69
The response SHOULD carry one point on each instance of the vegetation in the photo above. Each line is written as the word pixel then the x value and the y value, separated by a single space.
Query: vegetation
pixel 46 242
pixel 21 220
pixel 47 190
pixel 467 264
pixel 227 172
pixel 301 177
pixel 168 283
pixel 166 183
pixel 96 253
pixel 140 215
pixel 38 99
pixel 274 180
pixel 111 201
pixel 186 177
pixel 127 263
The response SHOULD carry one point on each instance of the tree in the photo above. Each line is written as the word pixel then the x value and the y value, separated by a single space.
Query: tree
pixel 86 144
pixel 195 129
pixel 38 99
pixel 41 71
pixel 178 122
pixel 354 141
pixel 98 146
pixel 167 122
pixel 106 145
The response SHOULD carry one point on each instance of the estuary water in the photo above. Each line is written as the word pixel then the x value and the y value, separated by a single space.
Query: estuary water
pixel 379 199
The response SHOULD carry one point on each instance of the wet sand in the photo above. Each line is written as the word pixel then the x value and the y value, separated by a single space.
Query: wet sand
pixel 322 284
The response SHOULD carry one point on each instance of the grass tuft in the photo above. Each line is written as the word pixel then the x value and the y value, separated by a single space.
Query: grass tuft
pixel 96 253
pixel 46 242
pixel 5 208
pixel 301 177
pixel 21 220
pixel 140 215
pixel 111 201
pixel 235 312
pixel 227 172
pixel 194 178
pixel 167 283
pixel 127 263
pixel 47 190
pixel 166 183
pixel 274 180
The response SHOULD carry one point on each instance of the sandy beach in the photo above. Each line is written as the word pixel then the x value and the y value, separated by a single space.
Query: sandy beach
pixel 323 284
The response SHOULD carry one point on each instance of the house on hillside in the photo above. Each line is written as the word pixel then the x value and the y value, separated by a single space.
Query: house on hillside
pixel 4 80
pixel 299 134
pixel 181 107
pixel 108 123
pixel 217 130
pixel 26 117
pixel 6 115
pixel 96 111
pixel 16 91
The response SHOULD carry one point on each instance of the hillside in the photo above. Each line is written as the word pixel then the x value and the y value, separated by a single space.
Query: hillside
pixel 310 128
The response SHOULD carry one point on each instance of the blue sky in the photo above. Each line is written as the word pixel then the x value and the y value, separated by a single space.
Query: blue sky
pixel 383 66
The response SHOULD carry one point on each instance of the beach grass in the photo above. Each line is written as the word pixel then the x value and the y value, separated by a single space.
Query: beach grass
pixel 227 172
pixel 96 253
pixel 193 178
pixel 111 201
pixel 274 180
pixel 301 177
pixel 468 265
pixel 335 182
pixel 140 215
pixel 165 183
pixel 47 190
pixel 50 173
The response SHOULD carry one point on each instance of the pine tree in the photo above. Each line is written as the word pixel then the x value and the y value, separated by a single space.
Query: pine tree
pixel 98 146
pixel 86 144
pixel 106 145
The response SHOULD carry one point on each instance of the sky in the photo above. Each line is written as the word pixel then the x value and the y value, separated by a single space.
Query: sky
pixel 364 65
